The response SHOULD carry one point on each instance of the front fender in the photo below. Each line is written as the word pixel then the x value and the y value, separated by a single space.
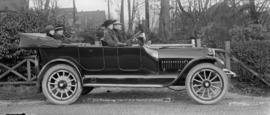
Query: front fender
pixel 64 60
pixel 182 76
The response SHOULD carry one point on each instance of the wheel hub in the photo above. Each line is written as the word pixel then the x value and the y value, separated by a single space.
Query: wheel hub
pixel 206 84
pixel 62 84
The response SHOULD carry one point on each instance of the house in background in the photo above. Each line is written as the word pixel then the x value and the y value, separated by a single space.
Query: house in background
pixel 91 19
pixel 13 5
pixel 85 19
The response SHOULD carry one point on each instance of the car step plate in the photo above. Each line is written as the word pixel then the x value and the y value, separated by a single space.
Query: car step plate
pixel 167 76
pixel 125 85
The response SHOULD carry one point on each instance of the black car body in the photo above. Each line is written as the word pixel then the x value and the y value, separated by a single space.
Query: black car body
pixel 71 70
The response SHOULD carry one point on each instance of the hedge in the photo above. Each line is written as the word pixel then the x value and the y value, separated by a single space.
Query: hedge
pixel 254 53
pixel 11 23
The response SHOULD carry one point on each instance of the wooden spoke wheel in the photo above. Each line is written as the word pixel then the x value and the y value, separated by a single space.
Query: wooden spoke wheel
pixel 61 84
pixel 206 83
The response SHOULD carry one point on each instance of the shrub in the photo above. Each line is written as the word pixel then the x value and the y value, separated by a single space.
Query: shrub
pixel 11 23
pixel 213 35
pixel 254 53
pixel 250 32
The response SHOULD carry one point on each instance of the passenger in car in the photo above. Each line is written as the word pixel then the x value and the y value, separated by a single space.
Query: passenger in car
pixel 110 38
pixel 50 32
pixel 59 33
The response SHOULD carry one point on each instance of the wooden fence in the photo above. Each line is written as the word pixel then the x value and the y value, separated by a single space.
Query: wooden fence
pixel 31 65
pixel 228 57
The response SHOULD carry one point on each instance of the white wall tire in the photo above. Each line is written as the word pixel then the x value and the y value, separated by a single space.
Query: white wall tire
pixel 206 83
pixel 61 84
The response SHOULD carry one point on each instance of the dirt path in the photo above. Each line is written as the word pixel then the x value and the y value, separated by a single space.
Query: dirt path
pixel 139 102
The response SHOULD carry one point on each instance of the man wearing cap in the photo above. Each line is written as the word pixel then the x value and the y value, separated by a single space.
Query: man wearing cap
pixel 110 38
pixel 120 34
pixel 59 33
pixel 50 31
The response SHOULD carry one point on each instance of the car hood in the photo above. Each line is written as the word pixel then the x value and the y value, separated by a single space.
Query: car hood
pixel 182 52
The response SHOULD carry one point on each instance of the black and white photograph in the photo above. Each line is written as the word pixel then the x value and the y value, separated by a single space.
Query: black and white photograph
pixel 134 57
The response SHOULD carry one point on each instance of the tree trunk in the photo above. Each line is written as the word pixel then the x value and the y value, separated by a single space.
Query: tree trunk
pixel 129 17
pixel 164 20
pixel 133 14
pixel 109 9
pixel 47 4
pixel 253 12
pixel 74 12
pixel 122 15
pixel 147 17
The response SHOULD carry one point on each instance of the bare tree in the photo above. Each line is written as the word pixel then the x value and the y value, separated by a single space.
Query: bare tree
pixel 47 3
pixel 122 14
pixel 164 19
pixel 74 12
pixel 129 16
pixel 133 12
pixel 109 9
pixel 253 12
pixel 147 16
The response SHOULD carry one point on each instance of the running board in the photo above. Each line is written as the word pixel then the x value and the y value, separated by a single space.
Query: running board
pixel 125 85
pixel 166 76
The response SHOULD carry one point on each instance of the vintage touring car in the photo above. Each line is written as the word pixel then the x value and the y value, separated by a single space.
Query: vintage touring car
pixel 71 70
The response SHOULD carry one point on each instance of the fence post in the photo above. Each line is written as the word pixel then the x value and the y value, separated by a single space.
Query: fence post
pixel 199 43
pixel 227 54
pixel 28 69
pixel 193 43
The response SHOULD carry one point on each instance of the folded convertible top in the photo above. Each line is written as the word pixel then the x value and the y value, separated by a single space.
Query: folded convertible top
pixel 38 40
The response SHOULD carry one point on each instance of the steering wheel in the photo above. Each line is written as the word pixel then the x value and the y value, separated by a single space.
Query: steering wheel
pixel 135 39
pixel 135 36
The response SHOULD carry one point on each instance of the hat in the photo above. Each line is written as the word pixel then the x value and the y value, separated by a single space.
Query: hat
pixel 49 28
pixel 59 28
pixel 117 23
pixel 108 22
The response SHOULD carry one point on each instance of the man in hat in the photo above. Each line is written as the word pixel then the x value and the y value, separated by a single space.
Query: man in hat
pixel 110 38
pixel 59 33
pixel 50 32
pixel 120 34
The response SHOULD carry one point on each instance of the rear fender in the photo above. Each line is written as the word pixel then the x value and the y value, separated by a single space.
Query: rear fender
pixel 65 60
pixel 182 76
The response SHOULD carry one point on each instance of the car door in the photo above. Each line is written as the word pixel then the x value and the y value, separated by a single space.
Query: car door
pixel 129 58
pixel 92 58
pixel 110 56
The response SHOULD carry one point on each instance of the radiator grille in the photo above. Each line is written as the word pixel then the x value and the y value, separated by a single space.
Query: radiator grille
pixel 173 64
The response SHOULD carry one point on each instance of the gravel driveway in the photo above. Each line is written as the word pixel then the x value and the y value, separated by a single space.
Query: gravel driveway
pixel 150 101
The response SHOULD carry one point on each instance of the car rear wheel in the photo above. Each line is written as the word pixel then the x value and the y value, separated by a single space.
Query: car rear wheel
pixel 206 84
pixel 87 90
pixel 61 84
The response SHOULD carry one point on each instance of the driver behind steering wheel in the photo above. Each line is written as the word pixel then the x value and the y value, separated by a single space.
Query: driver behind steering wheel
pixel 118 30
pixel 110 37
pixel 115 37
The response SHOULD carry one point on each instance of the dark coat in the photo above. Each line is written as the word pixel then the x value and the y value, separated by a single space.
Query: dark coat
pixel 120 35
pixel 62 38
pixel 110 38
pixel 59 37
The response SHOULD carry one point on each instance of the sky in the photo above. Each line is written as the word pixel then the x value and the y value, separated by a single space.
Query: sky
pixel 85 5
pixel 92 5
pixel 88 5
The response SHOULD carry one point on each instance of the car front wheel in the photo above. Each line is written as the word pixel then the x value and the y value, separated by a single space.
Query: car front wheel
pixel 61 84
pixel 206 83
